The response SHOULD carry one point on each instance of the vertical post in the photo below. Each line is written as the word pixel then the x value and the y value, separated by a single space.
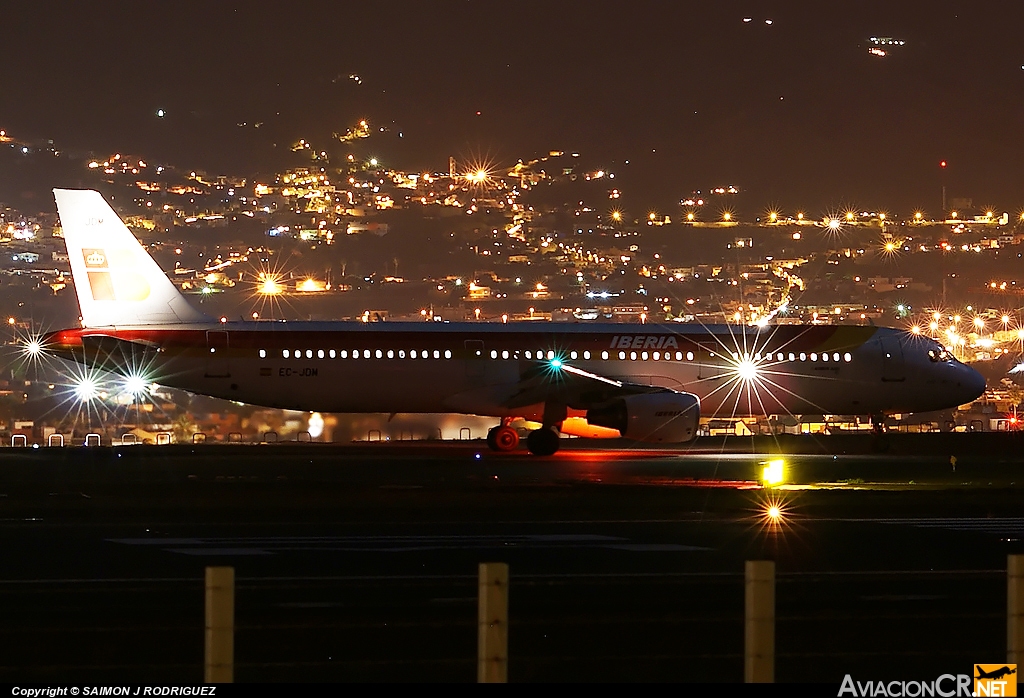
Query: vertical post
pixel 492 630
pixel 220 625
pixel 759 634
pixel 1015 609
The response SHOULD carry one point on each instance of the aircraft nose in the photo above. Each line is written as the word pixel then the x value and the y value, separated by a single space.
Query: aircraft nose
pixel 971 384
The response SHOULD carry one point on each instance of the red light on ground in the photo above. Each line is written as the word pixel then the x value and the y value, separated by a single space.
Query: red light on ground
pixel 942 164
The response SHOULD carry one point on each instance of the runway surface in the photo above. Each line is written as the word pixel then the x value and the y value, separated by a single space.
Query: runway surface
pixel 359 563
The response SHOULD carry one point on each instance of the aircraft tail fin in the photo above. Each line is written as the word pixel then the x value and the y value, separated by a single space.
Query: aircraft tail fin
pixel 117 282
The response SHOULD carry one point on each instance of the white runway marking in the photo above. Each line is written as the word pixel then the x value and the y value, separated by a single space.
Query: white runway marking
pixel 268 545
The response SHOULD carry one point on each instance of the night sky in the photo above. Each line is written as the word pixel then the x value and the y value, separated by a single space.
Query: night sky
pixel 796 113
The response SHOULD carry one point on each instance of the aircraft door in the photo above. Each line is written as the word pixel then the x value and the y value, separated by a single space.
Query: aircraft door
pixel 893 369
pixel 475 361
pixel 710 363
pixel 217 354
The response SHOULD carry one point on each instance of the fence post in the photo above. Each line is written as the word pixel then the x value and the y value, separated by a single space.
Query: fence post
pixel 492 635
pixel 759 635
pixel 220 625
pixel 1015 609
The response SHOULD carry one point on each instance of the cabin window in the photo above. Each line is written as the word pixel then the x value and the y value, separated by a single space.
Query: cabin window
pixel 344 353
pixel 824 357
pixel 643 356
pixel 333 353
pixel 814 357
pixel 263 353
pixel 320 354
pixel 622 355
pixel 447 353
pixel 835 357
pixel 494 354
pixel 847 358
pixel 689 356
pixel 391 353
pixel 379 354
pixel 632 356
pixel 285 353
pixel 586 355
pixel 401 353
pixel 573 355
pixel 504 354
pixel 366 353
pixel 656 355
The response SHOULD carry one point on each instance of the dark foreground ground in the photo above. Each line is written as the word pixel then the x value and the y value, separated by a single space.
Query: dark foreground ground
pixel 359 562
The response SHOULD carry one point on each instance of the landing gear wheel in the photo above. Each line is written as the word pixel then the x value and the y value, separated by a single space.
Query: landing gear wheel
pixel 542 442
pixel 503 438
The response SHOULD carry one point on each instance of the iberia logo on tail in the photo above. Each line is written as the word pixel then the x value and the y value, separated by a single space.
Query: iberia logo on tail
pixel 111 278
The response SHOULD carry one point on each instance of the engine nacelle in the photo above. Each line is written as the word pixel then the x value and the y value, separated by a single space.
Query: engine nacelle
pixel 667 417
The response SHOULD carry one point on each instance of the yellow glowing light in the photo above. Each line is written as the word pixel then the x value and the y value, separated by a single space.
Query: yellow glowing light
pixel 979 323
pixel 918 216
pixel 933 325
pixel 916 329
pixel 799 216
pixel 774 473
pixel 773 216
pixel 270 287
pixel 689 216
pixel 726 216
pixel 849 215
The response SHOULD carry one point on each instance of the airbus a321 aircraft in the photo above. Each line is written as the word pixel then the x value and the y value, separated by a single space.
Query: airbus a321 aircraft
pixel 647 382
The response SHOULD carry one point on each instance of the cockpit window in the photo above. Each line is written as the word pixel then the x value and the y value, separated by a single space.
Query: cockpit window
pixel 939 355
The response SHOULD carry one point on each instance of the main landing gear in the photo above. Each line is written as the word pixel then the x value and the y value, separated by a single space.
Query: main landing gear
pixel 503 437
pixel 543 441
pixel 540 442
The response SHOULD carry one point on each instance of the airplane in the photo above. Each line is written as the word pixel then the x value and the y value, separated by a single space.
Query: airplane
pixel 995 673
pixel 646 382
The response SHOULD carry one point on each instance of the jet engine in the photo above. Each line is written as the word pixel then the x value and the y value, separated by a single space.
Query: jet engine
pixel 667 417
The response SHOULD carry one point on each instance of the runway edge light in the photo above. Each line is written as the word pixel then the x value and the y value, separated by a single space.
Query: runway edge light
pixel 774 473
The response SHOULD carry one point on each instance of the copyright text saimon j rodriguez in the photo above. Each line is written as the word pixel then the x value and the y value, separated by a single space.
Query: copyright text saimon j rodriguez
pixel 54 691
